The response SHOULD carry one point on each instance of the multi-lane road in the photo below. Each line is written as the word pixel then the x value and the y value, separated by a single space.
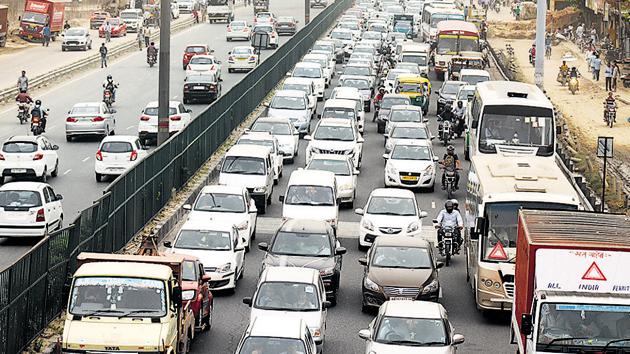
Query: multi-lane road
pixel 138 86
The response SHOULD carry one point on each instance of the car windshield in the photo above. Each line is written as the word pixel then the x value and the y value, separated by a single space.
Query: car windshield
pixel 299 87
pixel 288 102
pixel 310 72
pixel 189 272
pixel 118 296
pixel 391 206
pixel 116 147
pixel 465 94
pixel 310 195
pixel 301 244
pixel 406 116
pixel 205 79
pixel 409 133
pixel 516 125
pixel 274 128
pixel 75 32
pixel 201 60
pixel 242 51
pixel 19 147
pixel 196 50
pixel 268 143
pixel 474 79
pixel 357 70
pixel 409 87
pixel 287 296
pixel 244 165
pixel 341 35
pixel 411 152
pixel 388 102
pixel 85 110
pixel 338 167
pixel 393 74
pixel 19 199
pixel 220 202
pixel 153 111
pixel 360 84
pixel 203 240
pixel 450 88
pixel 402 26
pixel 334 132
pixel 264 345
pixel 401 257
pixel 413 332
pixel 129 15
pixel 349 25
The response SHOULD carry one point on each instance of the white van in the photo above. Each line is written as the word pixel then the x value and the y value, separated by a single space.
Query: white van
pixel 473 76
pixel 311 194
pixel 250 166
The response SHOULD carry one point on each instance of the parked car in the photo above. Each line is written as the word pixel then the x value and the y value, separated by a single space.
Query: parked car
pixel 76 38
pixel 179 117
pixel 89 119
pixel 29 209
pixel 242 58
pixel 195 290
pixel 28 156
pixel 116 154
pixel 119 28
pixel 192 50
pixel 201 86
pixel 97 18
pixel 238 30
pixel 277 335
pixel 286 25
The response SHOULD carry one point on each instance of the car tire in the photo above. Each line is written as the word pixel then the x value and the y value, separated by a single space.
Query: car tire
pixel 269 198
pixel 44 177
pixel 1 179
pixel 99 177
pixel 362 248
pixel 275 181
pixel 55 172
pixel 68 138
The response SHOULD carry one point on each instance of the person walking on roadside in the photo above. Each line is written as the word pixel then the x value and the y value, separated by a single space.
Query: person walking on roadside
pixel 46 34
pixel 147 36
pixel 596 65
pixel 615 76
pixel 103 51
pixel 140 38
pixel 108 32
pixel 608 74
pixel 22 82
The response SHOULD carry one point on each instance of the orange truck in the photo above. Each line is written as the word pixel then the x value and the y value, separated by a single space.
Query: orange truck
pixel 38 13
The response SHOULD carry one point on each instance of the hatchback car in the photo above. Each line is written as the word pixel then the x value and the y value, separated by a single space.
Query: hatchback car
pixel 411 164
pixel 314 72
pixel 310 244
pixel 405 132
pixel 293 105
pixel 336 136
pixel 204 63
pixel 76 38
pixel 29 209
pixel 284 131
pixel 201 86
pixel 273 41
pixel 386 104
pixel 345 174
pixel 389 212
pixel 266 139
pixel 286 25
pixel 28 156
pixel 117 154
pixel 192 50
pixel 179 117
pixel 399 268
pixel 404 114
pixel 118 27
pixel 276 335
pixel 238 30
pixel 411 327
pixel 90 119
pixel 242 58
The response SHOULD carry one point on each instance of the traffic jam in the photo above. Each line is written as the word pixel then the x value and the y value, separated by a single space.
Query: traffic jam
pixel 462 174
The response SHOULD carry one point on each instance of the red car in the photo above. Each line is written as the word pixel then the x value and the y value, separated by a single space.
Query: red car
pixel 195 289
pixel 119 28
pixel 192 50
pixel 97 19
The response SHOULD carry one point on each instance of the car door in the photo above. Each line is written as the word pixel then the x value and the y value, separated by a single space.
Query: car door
pixel 252 211
pixel 109 116
pixel 239 249
pixel 50 155
pixel 52 207
pixel 203 289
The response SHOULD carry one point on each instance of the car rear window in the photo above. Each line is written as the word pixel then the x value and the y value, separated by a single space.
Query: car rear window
pixel 200 60
pixel 19 199
pixel 196 50
pixel 116 147
pixel 153 111
pixel 19 147
pixel 85 110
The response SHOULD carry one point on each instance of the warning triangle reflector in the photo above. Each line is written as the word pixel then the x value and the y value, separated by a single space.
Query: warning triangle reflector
pixel 498 253
pixel 594 273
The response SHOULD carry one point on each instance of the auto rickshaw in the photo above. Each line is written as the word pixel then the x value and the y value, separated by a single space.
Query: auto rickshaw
pixel 418 89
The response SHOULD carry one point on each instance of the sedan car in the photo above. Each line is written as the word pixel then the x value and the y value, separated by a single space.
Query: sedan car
pixel 411 327
pixel 286 25
pixel 204 63
pixel 192 50
pixel 29 209
pixel 284 131
pixel 242 58
pixel 76 38
pixel 119 27
pixel 310 244
pixel 273 40
pixel 28 156
pixel 411 164
pixel 179 117
pixel 264 17
pixel 345 174
pixel 386 104
pixel 448 93
pixel 97 18
pixel 238 30
pixel 389 212
pixel 266 139
pixel 116 154
pixel 406 132
pixel 399 268
pixel 293 105
pixel 201 86
pixel 90 118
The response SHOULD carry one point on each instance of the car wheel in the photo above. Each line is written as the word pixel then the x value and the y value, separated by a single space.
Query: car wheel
pixel 44 177
pixel 55 172
pixel 99 177
pixel 68 138
pixel 206 322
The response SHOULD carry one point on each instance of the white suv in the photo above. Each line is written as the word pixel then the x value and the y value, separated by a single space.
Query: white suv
pixel 29 209
pixel 270 141
pixel 179 117
pixel 28 156
pixel 314 72
pixel 336 136
pixel 117 154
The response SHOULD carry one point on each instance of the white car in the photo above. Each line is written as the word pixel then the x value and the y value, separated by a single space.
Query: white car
pixel 116 154
pixel 408 326
pixel 323 61
pixel 264 17
pixel 345 174
pixel 389 212
pixel 330 56
pixel 363 84
pixel 90 119
pixel 391 77
pixel 28 156
pixel 314 72
pixel 29 209
pixel 292 293
pixel 238 30
pixel 76 38
pixel 403 114
pixel 411 164
pixel 277 335
pixel 270 29
pixel 303 84
pixel 352 94
pixel 283 130
pixel 179 117
pixel 231 204
pixel 465 94
pixel 406 132
pixel 293 105
pixel 268 140
pixel 217 244
pixel 473 76
pixel 133 18
pixel 204 63
pixel 347 39
pixel 185 6
pixel 242 58
pixel 336 136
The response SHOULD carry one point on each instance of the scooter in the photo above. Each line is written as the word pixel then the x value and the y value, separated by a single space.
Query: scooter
pixel 108 98
pixel 23 112
pixel 573 85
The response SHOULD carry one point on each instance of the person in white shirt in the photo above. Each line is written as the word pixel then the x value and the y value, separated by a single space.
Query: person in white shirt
pixel 449 217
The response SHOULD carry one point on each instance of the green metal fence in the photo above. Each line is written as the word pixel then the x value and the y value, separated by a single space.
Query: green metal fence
pixel 32 289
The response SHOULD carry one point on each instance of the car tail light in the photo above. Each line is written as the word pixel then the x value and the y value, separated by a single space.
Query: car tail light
pixel 186 88
pixel 98 119
pixel 133 156
pixel 1 157
pixel 144 118
pixel 40 216
pixel 176 118
pixel 213 88
pixel 252 58
pixel 229 29
pixel 38 156
pixel 99 156
pixel 71 120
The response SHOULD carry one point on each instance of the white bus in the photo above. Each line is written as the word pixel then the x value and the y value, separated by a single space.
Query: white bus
pixel 509 116
pixel 434 15
pixel 498 186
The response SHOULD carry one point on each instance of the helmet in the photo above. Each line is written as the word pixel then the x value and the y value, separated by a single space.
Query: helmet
pixel 455 202
pixel 109 77
pixel 460 104
pixel 450 149
pixel 22 91
pixel 448 206
pixel 38 102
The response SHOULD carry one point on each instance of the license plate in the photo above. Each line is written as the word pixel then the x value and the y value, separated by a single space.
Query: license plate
pixel 18 170
pixel 241 59
pixel 409 178
pixel 400 298
pixel 199 87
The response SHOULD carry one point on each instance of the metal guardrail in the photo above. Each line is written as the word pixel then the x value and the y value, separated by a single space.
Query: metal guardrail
pixel 45 79
pixel 32 289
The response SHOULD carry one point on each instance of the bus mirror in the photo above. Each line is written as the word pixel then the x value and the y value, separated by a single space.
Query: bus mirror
pixel 473 234
pixel 526 324
pixel 480 224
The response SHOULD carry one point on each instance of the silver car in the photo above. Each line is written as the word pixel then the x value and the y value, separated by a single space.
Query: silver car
pixel 90 118
pixel 76 38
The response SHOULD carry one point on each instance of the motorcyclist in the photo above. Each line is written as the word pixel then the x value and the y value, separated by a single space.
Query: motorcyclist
pixel 449 217
pixel 23 97
pixel 457 116
pixel 152 51
pixel 40 112
pixel 610 104
pixel 378 99
pixel 574 73
pixel 532 53
pixel 451 163
pixel 564 70
pixel 110 85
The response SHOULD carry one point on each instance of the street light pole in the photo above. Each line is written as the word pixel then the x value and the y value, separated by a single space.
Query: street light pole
pixel 541 18
pixel 307 12
pixel 164 64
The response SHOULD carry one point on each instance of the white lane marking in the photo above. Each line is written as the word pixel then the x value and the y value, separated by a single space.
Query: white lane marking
pixel 175 96
pixel 433 204
pixel 85 159
pixel 68 171
pixel 130 127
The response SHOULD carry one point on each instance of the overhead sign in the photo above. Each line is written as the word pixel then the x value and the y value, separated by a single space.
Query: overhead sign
pixel 583 271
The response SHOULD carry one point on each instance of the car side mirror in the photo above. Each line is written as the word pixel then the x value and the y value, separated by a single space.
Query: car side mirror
pixel 55 147
pixel 480 223
pixel 435 158
pixel 340 251
pixel 439 265
pixel 386 156
pixel 168 244
pixel 58 197
pixel 187 207
pixel 247 301
pixel 423 214
pixel 205 278
pixel 326 304
pixel 526 324
pixel 458 339
pixel 113 110
pixel 363 261
pixel 263 246
pixel 365 334
pixel 281 199
pixel 356 172
pixel 177 295
pixel 359 211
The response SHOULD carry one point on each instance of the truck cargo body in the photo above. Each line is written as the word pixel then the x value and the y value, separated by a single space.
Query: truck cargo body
pixel 38 13
pixel 4 25
pixel 572 289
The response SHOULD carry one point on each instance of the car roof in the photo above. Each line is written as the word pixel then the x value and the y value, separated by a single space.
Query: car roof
pixel 335 122
pixel 336 157
pixel 28 186
pixel 414 142
pixel 395 95
pixel 243 46
pixel 273 120
pixel 222 188
pixel 124 138
pixel 305 226
pixel 410 125
pixel 290 93
pixel 208 223
pixel 346 90
pixel 248 150
pixel 405 107
pixel 402 241
pixel 340 102
pixel 312 178
pixel 298 80
pixel 413 308
pixel 308 64
pixel 23 138
pixel 276 327
pixel 315 56
pixel 473 72
pixel 290 274
pixel 392 192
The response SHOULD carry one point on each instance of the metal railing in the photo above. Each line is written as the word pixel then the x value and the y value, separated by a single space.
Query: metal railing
pixel 32 289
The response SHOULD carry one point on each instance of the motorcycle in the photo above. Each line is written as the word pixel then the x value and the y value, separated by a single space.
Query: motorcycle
pixel 23 112
pixel 449 246
pixel 449 182
pixel 445 131
pixel 37 125
pixel 108 98
pixel 562 78
pixel 610 116
pixel 460 127
pixel 573 85
pixel 152 60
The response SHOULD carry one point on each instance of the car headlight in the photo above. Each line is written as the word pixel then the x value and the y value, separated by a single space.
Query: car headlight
pixel 226 268
pixel 243 225
pixel 413 227
pixel 392 170
pixel 316 332
pixel 262 189
pixel 370 285
pixel 188 295
pixel 428 169
pixel 431 287
pixel 346 186
pixel 367 224
pixel 327 271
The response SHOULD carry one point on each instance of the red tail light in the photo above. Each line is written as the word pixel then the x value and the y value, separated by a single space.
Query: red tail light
pixel 186 88
pixel 229 29
pixel 71 120
pixel 107 93
pixel 213 88
pixel 40 216
pixel 176 118
pixel 252 58
pixel 133 156
pixel 98 119
pixel 99 156
pixel 38 156
pixel 144 118
pixel 1 157
pixel 245 29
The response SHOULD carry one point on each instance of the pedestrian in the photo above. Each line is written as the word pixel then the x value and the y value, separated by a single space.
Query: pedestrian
pixel 103 51
pixel 66 25
pixel 596 65
pixel 608 74
pixel 46 34
pixel 147 36
pixel 22 82
pixel 517 12
pixel 108 32
pixel 616 75
pixel 140 38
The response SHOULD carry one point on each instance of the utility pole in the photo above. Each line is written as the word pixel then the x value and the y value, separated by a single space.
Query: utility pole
pixel 307 12
pixel 605 151
pixel 541 18
pixel 164 74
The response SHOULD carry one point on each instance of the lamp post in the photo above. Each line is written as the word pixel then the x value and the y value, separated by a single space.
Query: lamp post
pixel 164 74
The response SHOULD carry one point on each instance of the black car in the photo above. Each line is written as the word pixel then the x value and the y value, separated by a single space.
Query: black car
pixel 307 243
pixel 448 93
pixel 202 86
pixel 286 25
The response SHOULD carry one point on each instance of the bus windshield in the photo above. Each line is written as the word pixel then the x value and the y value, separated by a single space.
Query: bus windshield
pixel 437 18
pixel 517 126
pixel 450 44
pixel 501 226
